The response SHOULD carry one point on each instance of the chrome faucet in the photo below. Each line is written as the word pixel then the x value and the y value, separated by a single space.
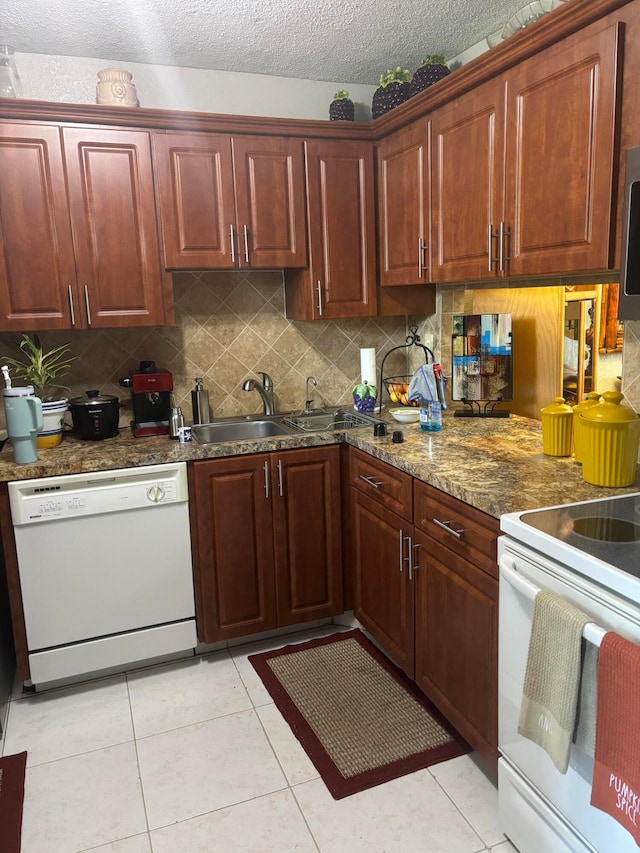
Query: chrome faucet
pixel 264 388
pixel 308 402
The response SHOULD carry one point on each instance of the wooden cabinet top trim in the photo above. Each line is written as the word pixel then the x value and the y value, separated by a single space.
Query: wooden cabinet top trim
pixel 571 17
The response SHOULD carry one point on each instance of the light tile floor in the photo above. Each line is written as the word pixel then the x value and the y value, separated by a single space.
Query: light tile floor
pixel 192 756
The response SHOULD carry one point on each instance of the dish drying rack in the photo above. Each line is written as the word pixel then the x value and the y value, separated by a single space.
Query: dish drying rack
pixel 412 340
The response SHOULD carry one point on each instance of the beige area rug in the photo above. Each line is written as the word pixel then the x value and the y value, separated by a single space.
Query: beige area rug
pixel 358 717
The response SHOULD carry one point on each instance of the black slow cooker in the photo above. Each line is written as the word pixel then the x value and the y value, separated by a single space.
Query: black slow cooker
pixel 96 415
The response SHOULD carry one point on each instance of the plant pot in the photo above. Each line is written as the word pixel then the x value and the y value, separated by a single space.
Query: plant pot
pixel 388 97
pixel 342 110
pixel 426 76
pixel 52 414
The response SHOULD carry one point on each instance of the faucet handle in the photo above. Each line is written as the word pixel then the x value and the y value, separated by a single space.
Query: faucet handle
pixel 267 381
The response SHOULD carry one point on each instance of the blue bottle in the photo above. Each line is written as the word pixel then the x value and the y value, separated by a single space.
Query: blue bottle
pixel 431 416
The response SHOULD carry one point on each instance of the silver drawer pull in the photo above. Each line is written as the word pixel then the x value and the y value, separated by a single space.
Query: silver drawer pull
pixel 445 526
pixel 370 481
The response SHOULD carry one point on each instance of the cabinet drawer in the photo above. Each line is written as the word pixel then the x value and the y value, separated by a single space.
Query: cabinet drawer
pixel 386 484
pixel 471 533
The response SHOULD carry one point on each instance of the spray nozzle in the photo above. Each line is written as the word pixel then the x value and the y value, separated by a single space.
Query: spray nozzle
pixel 7 378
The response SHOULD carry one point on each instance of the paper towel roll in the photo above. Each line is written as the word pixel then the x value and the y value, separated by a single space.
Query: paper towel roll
pixel 368 366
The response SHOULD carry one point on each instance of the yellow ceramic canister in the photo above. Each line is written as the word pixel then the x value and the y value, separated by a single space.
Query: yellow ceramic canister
pixel 610 438
pixel 591 399
pixel 557 428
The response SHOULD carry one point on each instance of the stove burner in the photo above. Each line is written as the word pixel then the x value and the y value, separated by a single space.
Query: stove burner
pixel 607 529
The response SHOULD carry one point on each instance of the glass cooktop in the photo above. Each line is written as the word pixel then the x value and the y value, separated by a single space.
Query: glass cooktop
pixel 606 529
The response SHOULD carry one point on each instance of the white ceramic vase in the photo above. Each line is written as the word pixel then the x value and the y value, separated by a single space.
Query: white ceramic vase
pixel 115 87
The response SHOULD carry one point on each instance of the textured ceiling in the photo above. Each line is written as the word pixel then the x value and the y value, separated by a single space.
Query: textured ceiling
pixel 352 41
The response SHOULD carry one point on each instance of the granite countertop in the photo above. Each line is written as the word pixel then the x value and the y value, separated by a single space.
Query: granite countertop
pixel 495 465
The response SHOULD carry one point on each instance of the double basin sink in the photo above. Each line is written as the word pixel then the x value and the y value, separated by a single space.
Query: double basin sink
pixel 254 427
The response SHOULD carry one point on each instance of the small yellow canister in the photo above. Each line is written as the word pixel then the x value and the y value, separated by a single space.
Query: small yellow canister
pixel 557 428
pixel 592 398
pixel 610 439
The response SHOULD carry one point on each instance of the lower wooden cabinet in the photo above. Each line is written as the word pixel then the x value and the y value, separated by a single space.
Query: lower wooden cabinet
pixel 266 541
pixel 383 592
pixel 426 588
pixel 456 642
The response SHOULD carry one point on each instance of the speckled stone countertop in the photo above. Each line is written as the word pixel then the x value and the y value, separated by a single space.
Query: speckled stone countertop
pixel 495 465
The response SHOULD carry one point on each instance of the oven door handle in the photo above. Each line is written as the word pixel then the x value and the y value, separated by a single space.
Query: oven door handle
pixel 508 569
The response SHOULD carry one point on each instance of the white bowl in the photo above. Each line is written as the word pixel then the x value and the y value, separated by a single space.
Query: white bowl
pixel 405 415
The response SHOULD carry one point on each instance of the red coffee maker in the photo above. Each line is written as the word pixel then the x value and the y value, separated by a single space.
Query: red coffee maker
pixel 151 389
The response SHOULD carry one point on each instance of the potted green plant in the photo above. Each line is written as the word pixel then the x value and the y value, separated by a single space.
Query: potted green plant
pixel 393 90
pixel 432 69
pixel 341 108
pixel 44 370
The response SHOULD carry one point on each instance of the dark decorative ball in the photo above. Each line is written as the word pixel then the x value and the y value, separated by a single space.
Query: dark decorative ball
pixel 426 76
pixel 342 110
pixel 389 97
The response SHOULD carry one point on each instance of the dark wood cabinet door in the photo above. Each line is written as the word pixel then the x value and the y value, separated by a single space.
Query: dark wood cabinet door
pixel 194 175
pixel 340 192
pixel 383 592
pixel 456 635
pixel 113 217
pixel 560 155
pixel 37 266
pixel 467 183
pixel 270 202
pixel 305 486
pixel 404 206
pixel 234 547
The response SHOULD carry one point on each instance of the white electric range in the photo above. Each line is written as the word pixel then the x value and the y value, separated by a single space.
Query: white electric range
pixel 588 554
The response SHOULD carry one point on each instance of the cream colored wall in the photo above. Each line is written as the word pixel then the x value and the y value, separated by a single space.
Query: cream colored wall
pixel 70 79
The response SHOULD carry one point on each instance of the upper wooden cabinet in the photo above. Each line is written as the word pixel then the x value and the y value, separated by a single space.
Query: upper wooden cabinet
pixel 78 250
pixel 404 206
pixel 523 166
pixel 230 202
pixel 341 278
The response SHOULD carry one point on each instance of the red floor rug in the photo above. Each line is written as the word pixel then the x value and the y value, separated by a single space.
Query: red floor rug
pixel 12 769
pixel 358 717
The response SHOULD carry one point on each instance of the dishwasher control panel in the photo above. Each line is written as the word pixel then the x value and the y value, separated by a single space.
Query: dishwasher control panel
pixel 75 495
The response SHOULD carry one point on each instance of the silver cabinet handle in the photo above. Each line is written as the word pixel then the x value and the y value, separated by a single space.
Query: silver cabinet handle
pixel 71 311
pixel 422 248
pixel 86 302
pixel 490 238
pixel 370 481
pixel 319 290
pixel 232 236
pixel 280 487
pixel 401 532
pixel 444 525
pixel 501 255
pixel 408 558
pixel 413 567
pixel 266 480
pixel 246 243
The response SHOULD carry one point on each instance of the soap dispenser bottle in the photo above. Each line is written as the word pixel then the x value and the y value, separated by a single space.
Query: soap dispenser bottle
pixel 200 404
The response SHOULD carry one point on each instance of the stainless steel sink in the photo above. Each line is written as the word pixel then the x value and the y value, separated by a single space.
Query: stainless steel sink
pixel 260 426
pixel 244 430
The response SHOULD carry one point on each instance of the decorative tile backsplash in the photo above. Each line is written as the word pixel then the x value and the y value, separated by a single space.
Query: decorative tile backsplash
pixel 229 326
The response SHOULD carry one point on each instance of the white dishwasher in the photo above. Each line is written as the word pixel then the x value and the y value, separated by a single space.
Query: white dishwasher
pixel 104 561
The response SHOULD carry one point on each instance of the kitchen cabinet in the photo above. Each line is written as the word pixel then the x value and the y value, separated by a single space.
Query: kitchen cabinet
pixel 341 278
pixel 80 244
pixel 267 541
pixel 456 613
pixel 380 528
pixel 230 201
pixel 522 170
pixel 404 206
pixel 426 588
